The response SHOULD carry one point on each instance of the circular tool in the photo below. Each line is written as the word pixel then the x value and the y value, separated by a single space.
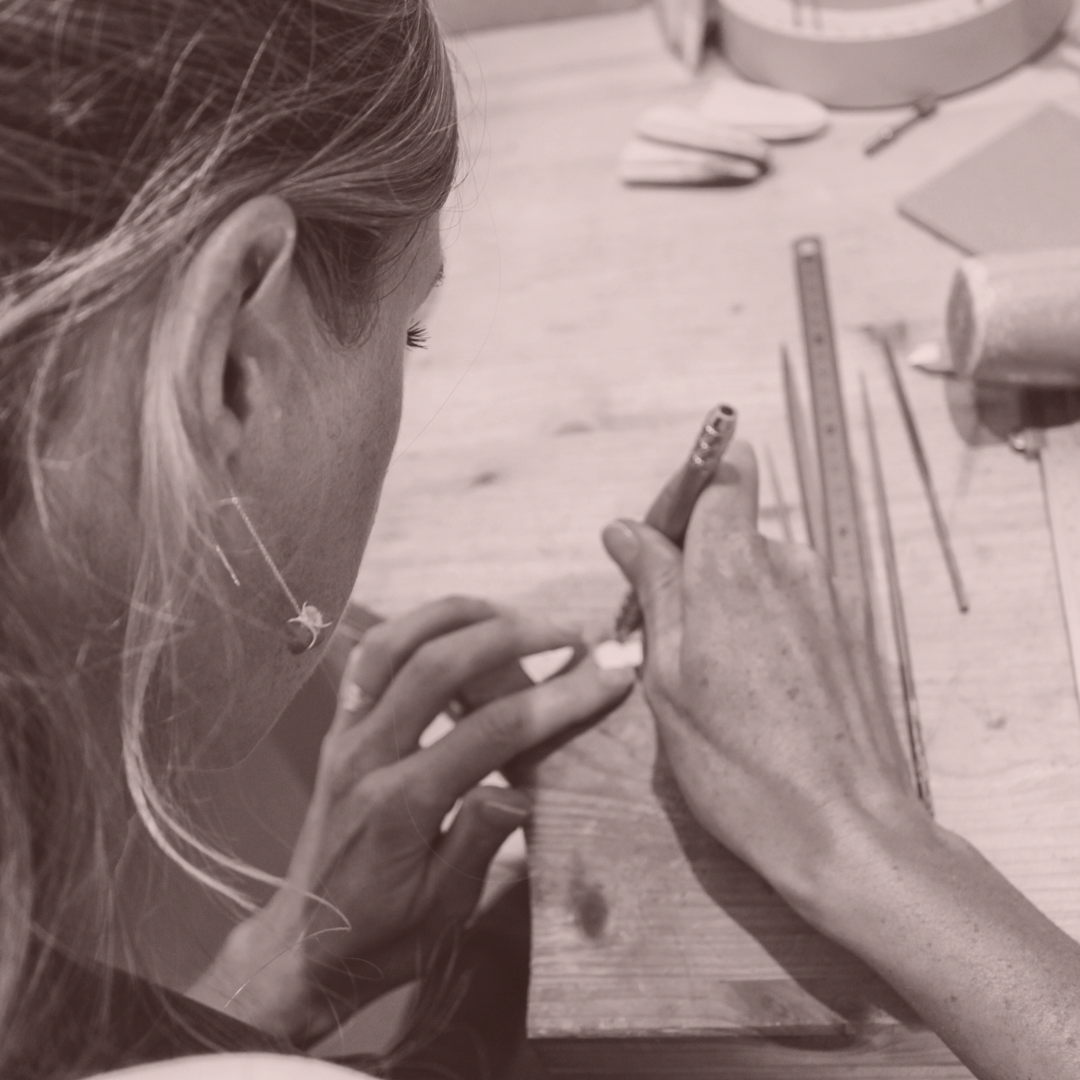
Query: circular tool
pixel 863 53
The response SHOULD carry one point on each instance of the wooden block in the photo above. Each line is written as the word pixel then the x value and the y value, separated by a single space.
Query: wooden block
pixel 658 953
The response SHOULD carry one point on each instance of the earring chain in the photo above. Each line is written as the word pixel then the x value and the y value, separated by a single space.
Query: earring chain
pixel 235 500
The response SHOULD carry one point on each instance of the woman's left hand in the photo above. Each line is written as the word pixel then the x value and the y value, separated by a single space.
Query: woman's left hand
pixel 390 879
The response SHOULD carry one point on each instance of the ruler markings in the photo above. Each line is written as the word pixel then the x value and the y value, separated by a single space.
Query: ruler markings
pixel 844 547
pixel 847 549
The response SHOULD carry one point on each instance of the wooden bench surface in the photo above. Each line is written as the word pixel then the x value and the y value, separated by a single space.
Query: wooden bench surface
pixel 582 333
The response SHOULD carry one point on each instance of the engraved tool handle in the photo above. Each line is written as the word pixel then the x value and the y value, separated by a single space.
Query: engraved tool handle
pixel 670 513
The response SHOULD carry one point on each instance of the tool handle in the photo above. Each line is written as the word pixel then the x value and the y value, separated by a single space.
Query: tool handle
pixel 672 509
pixel 670 516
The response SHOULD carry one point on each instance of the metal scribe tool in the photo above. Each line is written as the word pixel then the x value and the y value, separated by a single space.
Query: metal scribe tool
pixel 670 513
pixel 923 465
pixel 896 608
pixel 924 107
pixel 783 515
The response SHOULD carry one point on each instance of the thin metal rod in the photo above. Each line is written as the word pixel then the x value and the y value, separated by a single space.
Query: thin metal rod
pixel 923 107
pixel 783 511
pixel 896 608
pixel 923 465
pixel 805 471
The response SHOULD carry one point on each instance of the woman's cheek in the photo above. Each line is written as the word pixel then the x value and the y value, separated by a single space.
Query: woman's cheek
pixel 363 445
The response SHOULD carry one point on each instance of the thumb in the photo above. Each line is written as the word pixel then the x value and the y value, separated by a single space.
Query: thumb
pixel 487 816
pixel 653 566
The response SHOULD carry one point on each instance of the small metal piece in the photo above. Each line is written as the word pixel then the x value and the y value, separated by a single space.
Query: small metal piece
pixel 783 512
pixel 896 608
pixel 1029 442
pixel 923 465
pixel 302 631
pixel 670 513
pixel 925 106
pixel 930 358
pixel 805 470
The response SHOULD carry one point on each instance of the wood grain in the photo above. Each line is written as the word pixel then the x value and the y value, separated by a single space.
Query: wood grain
pixel 582 333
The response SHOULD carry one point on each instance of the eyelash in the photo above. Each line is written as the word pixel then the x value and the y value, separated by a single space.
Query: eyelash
pixel 417 337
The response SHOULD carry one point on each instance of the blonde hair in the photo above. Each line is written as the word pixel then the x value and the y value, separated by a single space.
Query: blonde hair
pixel 128 131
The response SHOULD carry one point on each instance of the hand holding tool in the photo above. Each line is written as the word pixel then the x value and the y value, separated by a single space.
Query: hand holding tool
pixel 670 513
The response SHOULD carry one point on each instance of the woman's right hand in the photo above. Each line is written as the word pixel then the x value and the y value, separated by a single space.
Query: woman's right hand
pixel 767 694
pixel 769 702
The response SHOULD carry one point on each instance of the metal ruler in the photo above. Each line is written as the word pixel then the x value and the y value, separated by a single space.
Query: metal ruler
pixel 844 545
pixel 1059 459
pixel 844 534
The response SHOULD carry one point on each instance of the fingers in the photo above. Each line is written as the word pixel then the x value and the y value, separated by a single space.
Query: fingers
pixel 728 507
pixel 486 817
pixel 354 701
pixel 433 675
pixel 489 738
pixel 387 646
pixel 653 566
pixel 510 678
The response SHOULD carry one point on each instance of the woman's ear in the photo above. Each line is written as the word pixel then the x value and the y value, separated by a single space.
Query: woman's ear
pixel 229 322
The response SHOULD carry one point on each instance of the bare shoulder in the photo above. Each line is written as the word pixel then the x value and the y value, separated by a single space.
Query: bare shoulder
pixel 237 1067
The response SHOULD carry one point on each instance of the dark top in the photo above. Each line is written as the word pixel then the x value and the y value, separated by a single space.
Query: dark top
pixel 145 1023
pixel 474 1032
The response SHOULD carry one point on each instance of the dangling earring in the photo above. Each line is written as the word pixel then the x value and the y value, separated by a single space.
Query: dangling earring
pixel 228 565
pixel 302 631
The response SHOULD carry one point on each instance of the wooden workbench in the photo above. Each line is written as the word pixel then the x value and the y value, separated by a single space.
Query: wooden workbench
pixel 582 332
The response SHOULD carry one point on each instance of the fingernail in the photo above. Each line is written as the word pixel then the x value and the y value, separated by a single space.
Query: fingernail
pixel 620 540
pixel 502 810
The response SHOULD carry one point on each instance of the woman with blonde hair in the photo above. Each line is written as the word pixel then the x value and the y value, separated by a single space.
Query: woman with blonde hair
pixel 219 222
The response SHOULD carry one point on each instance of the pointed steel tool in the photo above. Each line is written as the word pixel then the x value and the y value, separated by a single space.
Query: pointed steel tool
pixel 882 337
pixel 896 609
pixel 783 511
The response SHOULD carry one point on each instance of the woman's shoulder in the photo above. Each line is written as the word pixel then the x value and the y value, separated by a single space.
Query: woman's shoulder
pixel 237 1067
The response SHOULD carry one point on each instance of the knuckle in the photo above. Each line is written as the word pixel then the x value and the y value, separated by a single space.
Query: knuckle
pixel 662 576
pixel 517 629
pixel 507 724
pixel 377 645
pixel 433 664
pixel 422 801
pixel 468 608
pixel 370 798
pixel 746 549
pixel 660 679
pixel 806 561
